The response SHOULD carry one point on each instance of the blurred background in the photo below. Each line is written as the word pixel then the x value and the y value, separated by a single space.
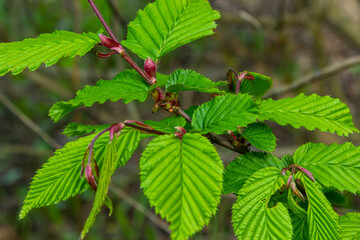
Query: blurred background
pixel 312 42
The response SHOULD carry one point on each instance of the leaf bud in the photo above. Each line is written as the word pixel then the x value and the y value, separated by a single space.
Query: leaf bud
pixel 90 177
pixel 111 44
pixel 150 69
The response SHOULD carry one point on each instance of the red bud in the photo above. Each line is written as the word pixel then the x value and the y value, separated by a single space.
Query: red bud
pixel 104 55
pixel 90 177
pixel 111 44
pixel 150 69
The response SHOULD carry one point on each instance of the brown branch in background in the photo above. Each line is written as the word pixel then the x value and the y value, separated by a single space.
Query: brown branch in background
pixel 316 76
pixel 139 207
pixel 117 14
pixel 28 122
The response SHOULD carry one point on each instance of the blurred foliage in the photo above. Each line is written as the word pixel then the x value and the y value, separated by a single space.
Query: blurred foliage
pixel 282 39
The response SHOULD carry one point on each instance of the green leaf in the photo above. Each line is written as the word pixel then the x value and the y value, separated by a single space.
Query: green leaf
pixel 183 180
pixel 240 169
pixel 332 165
pixel 324 113
pixel 77 129
pixel 167 125
pixel 106 171
pixel 48 48
pixel 257 87
pixel 59 178
pixel 225 113
pixel 322 220
pixel 168 24
pixel 298 219
pixel 260 135
pixel 350 226
pixel 189 80
pixel 252 219
pixel 128 85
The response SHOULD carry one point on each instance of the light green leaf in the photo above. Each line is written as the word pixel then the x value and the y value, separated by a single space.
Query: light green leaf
pixel 350 226
pixel 332 165
pixel 189 80
pixel 77 129
pixel 240 169
pixel 321 218
pixel 48 48
pixel 183 180
pixel 252 219
pixel 128 85
pixel 324 113
pixel 167 125
pixel 168 24
pixel 298 219
pixel 225 113
pixel 106 171
pixel 260 136
pixel 59 178
pixel 257 87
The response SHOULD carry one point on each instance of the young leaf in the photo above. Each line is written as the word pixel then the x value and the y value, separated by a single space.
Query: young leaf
pixel 127 85
pixel 257 87
pixel 59 178
pixel 182 178
pixel 252 219
pixel 189 80
pixel 168 24
pixel 106 171
pixel 350 226
pixel 48 48
pixel 167 125
pixel 260 135
pixel 322 220
pixel 298 219
pixel 240 169
pixel 225 113
pixel 325 113
pixel 332 165
pixel 77 129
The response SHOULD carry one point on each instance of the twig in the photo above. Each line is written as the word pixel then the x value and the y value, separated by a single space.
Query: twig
pixel 316 76
pixel 28 122
pixel 152 131
pixel 139 207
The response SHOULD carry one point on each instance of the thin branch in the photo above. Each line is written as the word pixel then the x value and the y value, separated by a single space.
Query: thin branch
pixel 102 20
pixel 139 207
pixel 28 122
pixel 152 131
pixel 316 76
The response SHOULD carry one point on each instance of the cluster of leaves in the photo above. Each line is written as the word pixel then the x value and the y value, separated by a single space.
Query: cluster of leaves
pixel 182 175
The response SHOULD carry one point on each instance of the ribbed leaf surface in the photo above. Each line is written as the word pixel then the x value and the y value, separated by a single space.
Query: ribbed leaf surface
pixel 350 226
pixel 77 130
pixel 48 48
pixel 106 171
pixel 59 178
pixel 257 87
pixel 167 125
pixel 251 217
pixel 225 113
pixel 332 165
pixel 127 85
pixel 183 180
pixel 298 219
pixel 168 24
pixel 240 169
pixel 188 80
pixel 321 218
pixel 260 135
pixel 324 113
